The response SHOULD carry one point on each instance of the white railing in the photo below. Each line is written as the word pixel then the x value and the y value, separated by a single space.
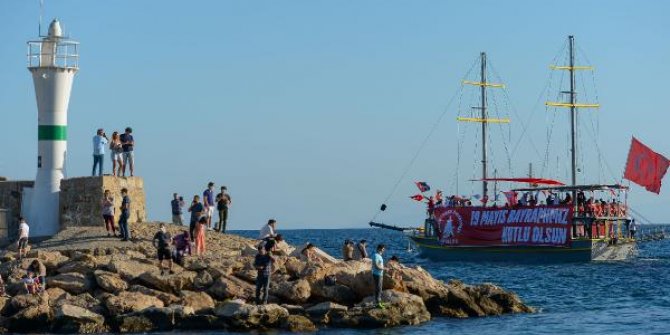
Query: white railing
pixel 53 53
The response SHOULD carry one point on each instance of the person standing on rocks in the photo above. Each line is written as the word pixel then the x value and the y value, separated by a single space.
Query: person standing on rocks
pixel 196 210
pixel 128 146
pixel 200 228
pixel 208 200
pixel 263 264
pixel 24 232
pixel 116 150
pixel 378 274
pixel 177 205
pixel 125 215
pixel 268 231
pixel 99 143
pixel 348 250
pixel 361 250
pixel 108 213
pixel 223 201
pixel 161 242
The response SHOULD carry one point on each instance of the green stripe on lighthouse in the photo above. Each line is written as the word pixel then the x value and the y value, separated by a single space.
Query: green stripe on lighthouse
pixel 52 133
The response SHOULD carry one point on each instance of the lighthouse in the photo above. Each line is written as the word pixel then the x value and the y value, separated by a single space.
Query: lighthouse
pixel 53 62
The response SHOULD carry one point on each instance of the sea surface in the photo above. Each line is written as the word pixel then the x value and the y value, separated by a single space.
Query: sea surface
pixel 631 297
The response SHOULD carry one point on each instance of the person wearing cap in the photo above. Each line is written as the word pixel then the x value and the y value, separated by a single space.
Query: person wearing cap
pixel 222 203
pixel 268 231
pixel 99 143
pixel 128 146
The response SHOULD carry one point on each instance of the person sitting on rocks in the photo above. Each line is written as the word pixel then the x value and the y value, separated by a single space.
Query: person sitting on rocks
pixel 361 250
pixel 308 255
pixel 281 247
pixel 348 250
pixel 182 246
pixel 31 283
pixel 268 230
pixel 263 264
pixel 40 270
pixel 161 242
pixel 378 274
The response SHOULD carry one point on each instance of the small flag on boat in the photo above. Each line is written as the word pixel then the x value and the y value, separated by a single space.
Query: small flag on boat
pixel 417 197
pixel 645 167
pixel 423 186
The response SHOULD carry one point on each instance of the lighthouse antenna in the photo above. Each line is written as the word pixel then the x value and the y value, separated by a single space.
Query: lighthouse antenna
pixel 39 22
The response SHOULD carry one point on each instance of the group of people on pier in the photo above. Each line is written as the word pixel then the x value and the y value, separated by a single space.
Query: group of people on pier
pixel 121 149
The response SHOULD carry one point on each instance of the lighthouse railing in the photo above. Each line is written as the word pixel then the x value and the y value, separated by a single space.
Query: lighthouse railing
pixel 60 53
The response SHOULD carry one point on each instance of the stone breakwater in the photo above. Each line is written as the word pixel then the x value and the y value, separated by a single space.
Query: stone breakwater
pixel 97 284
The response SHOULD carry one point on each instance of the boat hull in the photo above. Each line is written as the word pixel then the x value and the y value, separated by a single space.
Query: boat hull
pixel 579 251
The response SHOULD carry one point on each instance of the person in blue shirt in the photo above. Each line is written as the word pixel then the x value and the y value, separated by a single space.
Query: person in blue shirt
pixel 378 274
pixel 99 143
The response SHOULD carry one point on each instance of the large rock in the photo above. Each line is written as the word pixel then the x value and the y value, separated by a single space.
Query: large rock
pixel 166 298
pixel 174 283
pixel 298 291
pixel 109 281
pixel 24 301
pixel 400 309
pixel 51 259
pixel 56 294
pixel 84 264
pixel 72 282
pixel 200 322
pixel 337 293
pixel 4 304
pixel 203 280
pixel 75 319
pixel 84 300
pixel 326 311
pixel 229 287
pixel 127 302
pixel 130 269
pixel 33 319
pixel 199 301
pixel 153 319
pixel 298 324
pixel 239 315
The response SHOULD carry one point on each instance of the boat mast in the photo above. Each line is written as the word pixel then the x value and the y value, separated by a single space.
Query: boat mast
pixel 573 117
pixel 484 118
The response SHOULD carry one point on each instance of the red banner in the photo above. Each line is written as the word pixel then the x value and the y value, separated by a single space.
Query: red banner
pixel 645 167
pixel 522 226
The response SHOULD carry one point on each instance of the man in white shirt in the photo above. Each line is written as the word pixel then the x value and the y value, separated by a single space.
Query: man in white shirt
pixel 268 230
pixel 24 232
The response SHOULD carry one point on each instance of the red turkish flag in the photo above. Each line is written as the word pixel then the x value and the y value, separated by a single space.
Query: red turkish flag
pixel 645 167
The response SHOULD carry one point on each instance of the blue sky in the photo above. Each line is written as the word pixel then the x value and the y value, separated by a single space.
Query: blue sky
pixel 309 110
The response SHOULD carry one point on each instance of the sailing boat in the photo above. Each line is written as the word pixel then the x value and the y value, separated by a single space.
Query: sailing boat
pixel 565 226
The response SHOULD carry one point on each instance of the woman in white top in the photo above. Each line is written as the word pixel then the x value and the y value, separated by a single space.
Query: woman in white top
pixel 116 150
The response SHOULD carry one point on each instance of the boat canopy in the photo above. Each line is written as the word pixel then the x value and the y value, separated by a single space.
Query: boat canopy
pixel 594 187
pixel 537 181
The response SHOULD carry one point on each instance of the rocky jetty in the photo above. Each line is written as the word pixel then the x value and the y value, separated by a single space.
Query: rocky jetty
pixel 99 284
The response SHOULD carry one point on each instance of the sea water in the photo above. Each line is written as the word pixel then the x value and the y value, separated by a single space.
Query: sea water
pixel 629 297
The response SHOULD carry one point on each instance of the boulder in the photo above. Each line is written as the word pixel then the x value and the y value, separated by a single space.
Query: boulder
pixel 298 324
pixel 203 280
pixel 200 322
pixel 229 287
pixel 400 309
pixel 298 291
pixel 4 304
pixel 126 302
pixel 168 283
pixel 51 259
pixel 166 298
pixel 34 319
pixel 200 302
pixel 109 281
pixel 85 265
pixel 72 282
pixel 195 264
pixel 84 300
pixel 130 269
pixel 326 311
pixel 242 316
pixel 23 301
pixel 56 294
pixel 153 319
pixel 337 293
pixel 75 319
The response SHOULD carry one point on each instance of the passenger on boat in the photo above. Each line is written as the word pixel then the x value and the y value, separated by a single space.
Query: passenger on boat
pixel 632 228
pixel 550 198
pixel 567 200
pixel 438 198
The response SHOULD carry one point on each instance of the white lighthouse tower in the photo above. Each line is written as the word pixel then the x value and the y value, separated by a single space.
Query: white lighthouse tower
pixel 53 62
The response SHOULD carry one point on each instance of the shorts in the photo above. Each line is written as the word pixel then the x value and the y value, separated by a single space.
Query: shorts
pixel 116 156
pixel 23 242
pixel 128 156
pixel 210 212
pixel 164 254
